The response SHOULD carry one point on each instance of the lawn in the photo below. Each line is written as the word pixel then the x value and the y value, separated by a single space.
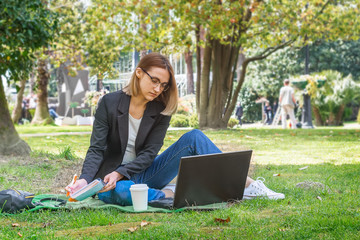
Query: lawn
pixel 330 156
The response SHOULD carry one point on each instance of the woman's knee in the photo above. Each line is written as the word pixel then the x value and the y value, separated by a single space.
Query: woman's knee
pixel 193 135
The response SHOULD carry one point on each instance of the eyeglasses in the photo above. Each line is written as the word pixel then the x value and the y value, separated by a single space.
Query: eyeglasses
pixel 156 82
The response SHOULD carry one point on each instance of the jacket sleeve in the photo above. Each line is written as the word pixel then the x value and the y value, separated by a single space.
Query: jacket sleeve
pixel 98 143
pixel 150 149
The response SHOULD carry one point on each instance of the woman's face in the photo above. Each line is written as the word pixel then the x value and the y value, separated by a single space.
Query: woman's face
pixel 152 82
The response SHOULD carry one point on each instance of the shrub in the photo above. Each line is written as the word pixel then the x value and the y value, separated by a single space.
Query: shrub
pixel 67 153
pixel 183 110
pixel 179 120
pixel 232 122
pixel 194 121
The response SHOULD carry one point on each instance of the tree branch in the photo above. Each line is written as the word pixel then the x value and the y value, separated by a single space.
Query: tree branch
pixel 269 51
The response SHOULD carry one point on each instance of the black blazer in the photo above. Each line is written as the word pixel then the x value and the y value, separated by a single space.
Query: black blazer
pixel 110 136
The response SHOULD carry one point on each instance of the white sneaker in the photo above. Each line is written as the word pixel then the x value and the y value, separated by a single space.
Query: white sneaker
pixel 257 189
pixel 170 186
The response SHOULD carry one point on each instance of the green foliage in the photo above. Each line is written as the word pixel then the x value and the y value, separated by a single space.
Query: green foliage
pixel 358 117
pixel 67 153
pixel 194 121
pixel 179 120
pixel 252 111
pixel 340 56
pixel 232 122
pixel 84 111
pixel 32 112
pixel 26 25
pixel 74 104
pixel 183 110
pixel 332 98
pixel 266 76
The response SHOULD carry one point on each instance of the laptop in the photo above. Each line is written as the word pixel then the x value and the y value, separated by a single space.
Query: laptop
pixel 207 179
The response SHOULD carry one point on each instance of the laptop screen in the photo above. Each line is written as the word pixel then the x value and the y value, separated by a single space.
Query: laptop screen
pixel 211 178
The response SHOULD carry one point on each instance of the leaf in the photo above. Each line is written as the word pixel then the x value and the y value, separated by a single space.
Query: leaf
pixel 276 174
pixel 144 223
pixel 282 229
pixel 132 229
pixel 318 197
pixel 15 225
pixel 19 234
pixel 303 168
pixel 220 220
pixel 46 224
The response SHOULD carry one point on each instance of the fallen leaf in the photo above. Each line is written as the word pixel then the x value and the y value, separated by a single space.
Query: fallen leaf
pixel 19 234
pixel 15 225
pixel 303 168
pixel 276 174
pixel 220 220
pixel 46 224
pixel 110 223
pixel 132 229
pixel 293 134
pixel 249 137
pixel 318 197
pixel 282 229
pixel 144 223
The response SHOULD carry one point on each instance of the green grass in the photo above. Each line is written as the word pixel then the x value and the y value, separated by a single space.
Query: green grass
pixel 332 157
pixel 26 129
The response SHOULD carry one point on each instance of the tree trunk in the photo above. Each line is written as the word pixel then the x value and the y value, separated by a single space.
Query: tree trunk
pixel 331 120
pixel 212 105
pixel 42 115
pixel 17 111
pixel 204 86
pixel 190 72
pixel 200 36
pixel 317 115
pixel 339 115
pixel 10 142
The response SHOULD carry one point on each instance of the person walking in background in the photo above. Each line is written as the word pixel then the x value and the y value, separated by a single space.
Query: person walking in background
pixel 239 113
pixel 287 102
pixel 267 110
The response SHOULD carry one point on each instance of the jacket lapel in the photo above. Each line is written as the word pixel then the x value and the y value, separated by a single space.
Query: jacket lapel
pixel 123 121
pixel 146 124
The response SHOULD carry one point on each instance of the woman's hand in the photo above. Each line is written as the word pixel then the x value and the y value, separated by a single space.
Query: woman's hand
pixel 111 180
pixel 76 186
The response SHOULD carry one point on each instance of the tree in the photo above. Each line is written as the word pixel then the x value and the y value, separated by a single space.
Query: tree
pixel 341 56
pixel 329 102
pixel 230 28
pixel 25 25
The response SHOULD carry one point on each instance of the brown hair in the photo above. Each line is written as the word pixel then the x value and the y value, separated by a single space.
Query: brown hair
pixel 170 97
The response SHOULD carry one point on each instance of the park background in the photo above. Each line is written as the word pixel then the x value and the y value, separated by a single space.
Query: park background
pixel 224 52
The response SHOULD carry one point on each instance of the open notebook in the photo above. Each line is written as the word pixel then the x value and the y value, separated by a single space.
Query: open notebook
pixel 88 190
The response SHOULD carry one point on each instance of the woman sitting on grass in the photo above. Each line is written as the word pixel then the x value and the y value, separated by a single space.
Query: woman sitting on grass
pixel 129 130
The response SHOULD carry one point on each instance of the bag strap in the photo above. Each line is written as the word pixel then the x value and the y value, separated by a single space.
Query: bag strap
pixel 60 201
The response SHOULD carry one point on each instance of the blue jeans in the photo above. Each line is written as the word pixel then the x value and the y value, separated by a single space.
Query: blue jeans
pixel 163 169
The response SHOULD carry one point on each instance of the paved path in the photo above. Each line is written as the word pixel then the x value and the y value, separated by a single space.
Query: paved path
pixel 80 133
pixel 244 126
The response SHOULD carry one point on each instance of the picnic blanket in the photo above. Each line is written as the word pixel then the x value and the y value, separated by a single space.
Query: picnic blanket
pixel 95 203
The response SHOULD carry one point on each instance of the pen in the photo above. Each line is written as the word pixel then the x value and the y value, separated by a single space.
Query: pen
pixel 72 183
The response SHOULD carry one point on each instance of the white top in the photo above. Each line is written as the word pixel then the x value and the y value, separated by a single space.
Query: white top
pixel 286 94
pixel 130 153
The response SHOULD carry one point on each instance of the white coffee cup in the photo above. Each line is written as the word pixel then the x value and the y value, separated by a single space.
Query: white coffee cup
pixel 139 197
